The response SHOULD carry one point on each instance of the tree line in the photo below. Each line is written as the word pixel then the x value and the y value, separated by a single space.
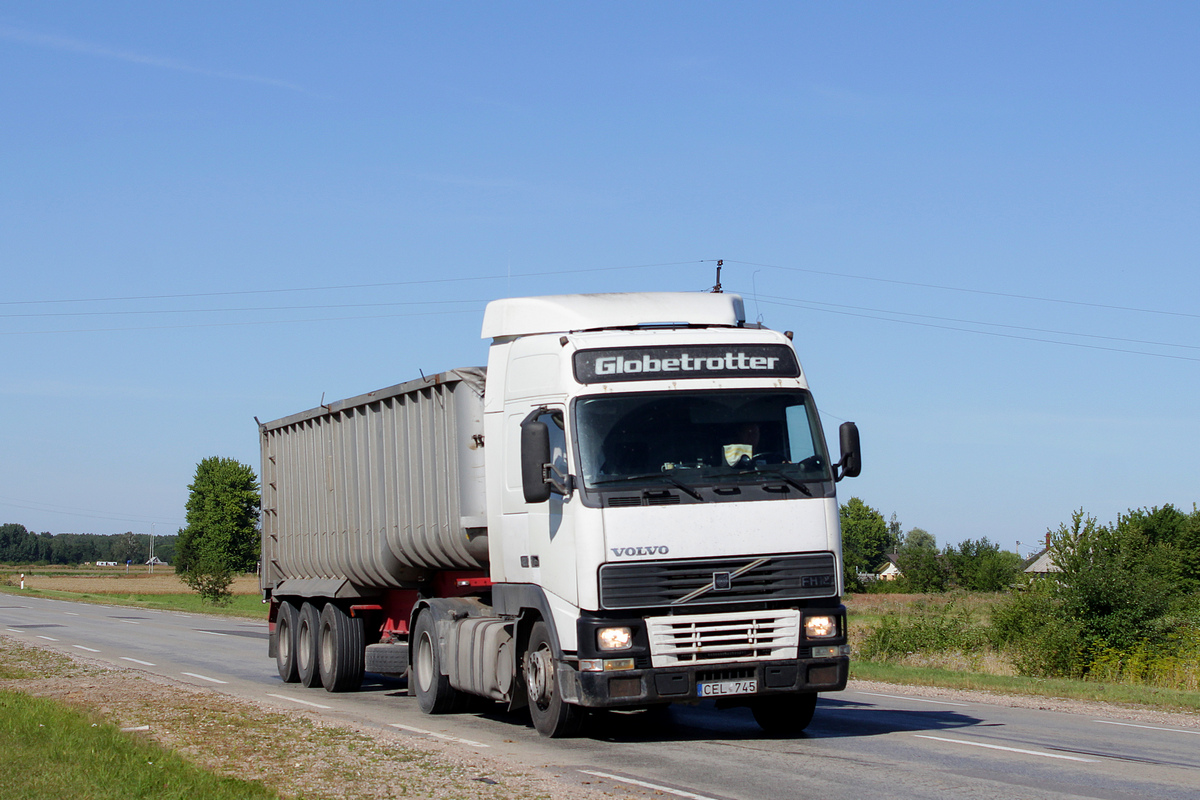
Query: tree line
pixel 18 545
pixel 976 565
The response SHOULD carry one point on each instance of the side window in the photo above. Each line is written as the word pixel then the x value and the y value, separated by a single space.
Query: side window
pixel 800 436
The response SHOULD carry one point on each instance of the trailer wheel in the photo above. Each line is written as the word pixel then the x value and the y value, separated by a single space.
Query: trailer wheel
pixel 785 715
pixel 551 715
pixel 285 644
pixel 307 636
pixel 340 650
pixel 434 693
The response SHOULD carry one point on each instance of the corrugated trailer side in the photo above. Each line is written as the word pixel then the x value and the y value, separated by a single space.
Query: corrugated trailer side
pixel 377 491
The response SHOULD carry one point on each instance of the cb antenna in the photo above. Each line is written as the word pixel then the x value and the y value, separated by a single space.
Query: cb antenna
pixel 717 288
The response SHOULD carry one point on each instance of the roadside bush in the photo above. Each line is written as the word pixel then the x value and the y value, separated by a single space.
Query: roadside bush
pixel 934 631
pixel 211 579
pixel 1123 607
pixel 1042 641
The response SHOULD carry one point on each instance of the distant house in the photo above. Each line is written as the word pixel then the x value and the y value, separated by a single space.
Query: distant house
pixel 889 570
pixel 1042 564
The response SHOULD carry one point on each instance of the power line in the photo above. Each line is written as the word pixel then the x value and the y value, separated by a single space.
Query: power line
pixel 348 286
pixel 946 288
pixel 144 312
pixel 768 298
pixel 240 324
pixel 49 508
pixel 800 304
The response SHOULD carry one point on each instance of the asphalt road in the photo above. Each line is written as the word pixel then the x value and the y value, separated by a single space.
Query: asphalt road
pixel 859 745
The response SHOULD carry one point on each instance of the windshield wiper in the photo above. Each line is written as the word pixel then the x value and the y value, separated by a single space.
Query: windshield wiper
pixel 786 478
pixel 651 475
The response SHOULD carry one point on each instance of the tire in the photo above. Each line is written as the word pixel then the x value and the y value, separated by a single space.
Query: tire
pixel 785 715
pixel 551 715
pixel 341 649
pixel 285 641
pixel 434 693
pixel 307 637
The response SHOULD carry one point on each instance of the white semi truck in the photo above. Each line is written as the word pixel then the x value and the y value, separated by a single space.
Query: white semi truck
pixel 633 505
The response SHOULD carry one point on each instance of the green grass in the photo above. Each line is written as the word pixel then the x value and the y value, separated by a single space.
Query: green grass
pixel 1126 694
pixel 52 752
pixel 241 605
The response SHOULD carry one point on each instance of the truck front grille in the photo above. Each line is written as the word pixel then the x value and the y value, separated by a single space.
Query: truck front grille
pixel 724 638
pixel 658 584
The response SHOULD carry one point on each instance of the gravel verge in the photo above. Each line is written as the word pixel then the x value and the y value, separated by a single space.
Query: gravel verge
pixel 293 751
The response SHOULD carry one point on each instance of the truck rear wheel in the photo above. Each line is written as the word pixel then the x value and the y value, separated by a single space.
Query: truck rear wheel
pixel 307 634
pixel 341 647
pixel 551 715
pixel 285 642
pixel 434 693
pixel 784 715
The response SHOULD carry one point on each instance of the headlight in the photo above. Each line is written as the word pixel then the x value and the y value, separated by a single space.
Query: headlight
pixel 820 627
pixel 614 638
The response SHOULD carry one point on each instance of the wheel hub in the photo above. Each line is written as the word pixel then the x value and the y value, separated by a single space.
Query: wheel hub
pixel 539 675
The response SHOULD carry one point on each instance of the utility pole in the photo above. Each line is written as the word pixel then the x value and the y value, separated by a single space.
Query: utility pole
pixel 150 560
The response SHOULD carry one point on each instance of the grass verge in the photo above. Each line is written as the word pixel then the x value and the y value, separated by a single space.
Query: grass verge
pixel 52 751
pixel 258 750
pixel 1118 693
pixel 250 606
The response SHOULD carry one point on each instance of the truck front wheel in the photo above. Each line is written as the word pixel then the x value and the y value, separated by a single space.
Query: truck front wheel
pixel 434 693
pixel 784 715
pixel 551 715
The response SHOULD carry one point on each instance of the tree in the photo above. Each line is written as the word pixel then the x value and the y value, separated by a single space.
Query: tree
pixel 865 539
pixel 981 566
pixel 919 538
pixel 923 567
pixel 222 518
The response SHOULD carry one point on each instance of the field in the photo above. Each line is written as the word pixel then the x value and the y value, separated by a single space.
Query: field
pixel 113 585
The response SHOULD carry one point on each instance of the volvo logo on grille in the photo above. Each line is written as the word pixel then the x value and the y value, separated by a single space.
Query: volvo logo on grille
pixel 722 581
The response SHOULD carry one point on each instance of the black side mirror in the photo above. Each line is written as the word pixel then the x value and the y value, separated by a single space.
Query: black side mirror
pixel 851 463
pixel 535 455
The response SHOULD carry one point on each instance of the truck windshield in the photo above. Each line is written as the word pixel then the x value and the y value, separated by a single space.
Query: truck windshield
pixel 693 439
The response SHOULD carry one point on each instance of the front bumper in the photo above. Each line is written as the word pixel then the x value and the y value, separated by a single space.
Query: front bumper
pixel 642 687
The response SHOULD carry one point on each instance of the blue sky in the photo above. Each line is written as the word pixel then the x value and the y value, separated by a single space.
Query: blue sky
pixel 980 220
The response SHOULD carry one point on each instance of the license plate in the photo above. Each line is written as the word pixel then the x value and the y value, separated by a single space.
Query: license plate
pixel 724 688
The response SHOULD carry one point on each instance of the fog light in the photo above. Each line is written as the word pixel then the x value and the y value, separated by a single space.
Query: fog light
pixel 591 665
pixel 614 638
pixel 617 664
pixel 820 627
pixel 825 652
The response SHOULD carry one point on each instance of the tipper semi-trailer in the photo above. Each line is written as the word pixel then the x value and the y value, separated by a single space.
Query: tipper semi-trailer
pixel 631 506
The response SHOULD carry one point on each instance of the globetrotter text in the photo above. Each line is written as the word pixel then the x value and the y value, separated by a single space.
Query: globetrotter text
pixel 618 365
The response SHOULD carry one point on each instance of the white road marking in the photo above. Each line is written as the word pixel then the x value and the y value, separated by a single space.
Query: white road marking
pixel 70 613
pixel 1041 753
pixel 914 699
pixel 656 787
pixel 127 621
pixel 298 700
pixel 204 677
pixel 437 735
pixel 1147 727
pixel 213 633
pixel 137 661
pixel 47 638
pixel 13 630
pixel 81 647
